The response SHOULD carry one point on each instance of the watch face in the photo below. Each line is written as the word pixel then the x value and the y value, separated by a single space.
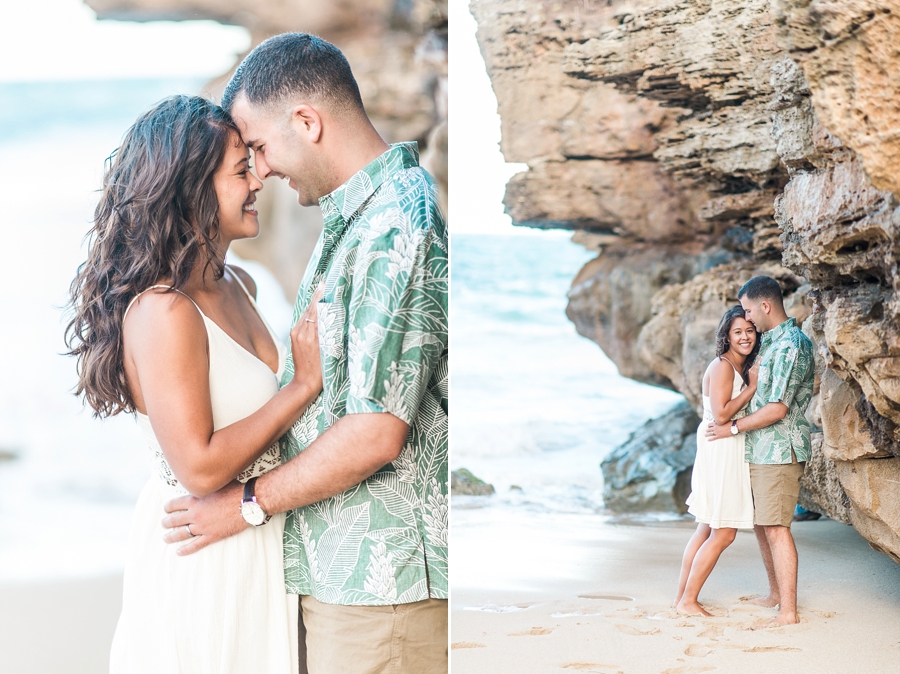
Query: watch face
pixel 253 513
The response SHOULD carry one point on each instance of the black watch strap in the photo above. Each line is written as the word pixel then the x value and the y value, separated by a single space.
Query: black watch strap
pixel 250 489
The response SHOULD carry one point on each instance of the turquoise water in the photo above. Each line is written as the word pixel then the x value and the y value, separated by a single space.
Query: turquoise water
pixel 535 406
pixel 33 109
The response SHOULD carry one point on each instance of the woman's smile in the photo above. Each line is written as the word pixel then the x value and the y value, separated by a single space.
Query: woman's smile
pixel 742 336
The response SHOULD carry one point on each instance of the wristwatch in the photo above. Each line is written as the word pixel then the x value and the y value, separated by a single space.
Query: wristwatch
pixel 734 431
pixel 251 511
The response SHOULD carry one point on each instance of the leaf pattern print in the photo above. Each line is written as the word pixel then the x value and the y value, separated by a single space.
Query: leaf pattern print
pixel 786 374
pixel 380 580
pixel 405 464
pixel 383 259
pixel 436 518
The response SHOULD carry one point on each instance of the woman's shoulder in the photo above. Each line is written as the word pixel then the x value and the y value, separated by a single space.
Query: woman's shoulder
pixel 162 309
pixel 721 369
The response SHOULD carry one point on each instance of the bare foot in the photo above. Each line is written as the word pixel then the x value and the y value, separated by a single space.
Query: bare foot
pixel 691 608
pixel 771 601
pixel 784 619
pixel 779 621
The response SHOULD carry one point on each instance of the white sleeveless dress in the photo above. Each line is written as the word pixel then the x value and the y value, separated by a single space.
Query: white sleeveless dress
pixel 720 483
pixel 224 609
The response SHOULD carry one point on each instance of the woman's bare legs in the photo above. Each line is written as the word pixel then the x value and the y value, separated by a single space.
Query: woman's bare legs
pixel 697 540
pixel 702 565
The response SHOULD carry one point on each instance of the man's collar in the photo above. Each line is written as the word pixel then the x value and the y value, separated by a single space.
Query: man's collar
pixel 780 329
pixel 350 197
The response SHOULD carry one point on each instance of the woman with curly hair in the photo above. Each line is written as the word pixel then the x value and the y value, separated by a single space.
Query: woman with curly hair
pixel 165 330
pixel 720 484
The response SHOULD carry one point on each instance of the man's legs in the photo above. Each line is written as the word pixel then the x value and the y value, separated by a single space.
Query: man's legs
pixel 784 557
pixel 399 639
pixel 775 491
pixel 766 551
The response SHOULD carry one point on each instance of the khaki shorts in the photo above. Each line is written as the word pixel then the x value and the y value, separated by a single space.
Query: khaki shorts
pixel 398 639
pixel 775 490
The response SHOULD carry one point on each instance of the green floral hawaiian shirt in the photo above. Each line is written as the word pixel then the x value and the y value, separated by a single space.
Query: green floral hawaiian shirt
pixel 383 257
pixel 786 373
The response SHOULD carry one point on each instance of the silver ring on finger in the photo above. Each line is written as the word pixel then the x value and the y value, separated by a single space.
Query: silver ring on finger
pixel 309 320
pixel 190 533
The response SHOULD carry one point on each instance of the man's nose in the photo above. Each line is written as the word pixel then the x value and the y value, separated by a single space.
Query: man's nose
pixel 262 168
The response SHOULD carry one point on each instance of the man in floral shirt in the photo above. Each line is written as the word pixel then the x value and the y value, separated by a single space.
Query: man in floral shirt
pixel 365 475
pixel 778 437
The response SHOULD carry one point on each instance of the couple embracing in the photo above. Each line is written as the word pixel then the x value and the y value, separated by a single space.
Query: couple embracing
pixel 752 446
pixel 306 492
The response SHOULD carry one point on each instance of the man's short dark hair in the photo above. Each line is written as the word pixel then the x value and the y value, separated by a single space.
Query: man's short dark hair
pixel 762 288
pixel 293 64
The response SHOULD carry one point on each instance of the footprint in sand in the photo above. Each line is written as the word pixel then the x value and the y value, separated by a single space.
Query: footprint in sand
pixel 770 649
pixel 534 631
pixel 685 623
pixel 687 669
pixel 634 632
pixel 619 616
pixel 712 632
pixel 589 666
pixel 466 644
pixel 697 651
pixel 824 614
pixel 610 597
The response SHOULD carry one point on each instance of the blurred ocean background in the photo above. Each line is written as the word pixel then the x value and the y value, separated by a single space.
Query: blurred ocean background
pixel 535 405
pixel 68 482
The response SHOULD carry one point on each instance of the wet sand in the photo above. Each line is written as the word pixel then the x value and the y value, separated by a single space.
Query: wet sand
pixel 59 626
pixel 561 593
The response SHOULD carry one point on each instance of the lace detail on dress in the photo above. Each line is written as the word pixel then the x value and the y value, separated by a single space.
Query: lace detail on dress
pixel 270 459
pixel 162 468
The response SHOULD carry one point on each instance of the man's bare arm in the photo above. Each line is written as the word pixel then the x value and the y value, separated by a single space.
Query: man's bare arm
pixel 354 448
pixel 764 416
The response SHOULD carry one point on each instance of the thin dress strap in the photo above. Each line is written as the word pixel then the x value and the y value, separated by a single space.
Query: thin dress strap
pixel 133 299
pixel 241 283
pixel 732 367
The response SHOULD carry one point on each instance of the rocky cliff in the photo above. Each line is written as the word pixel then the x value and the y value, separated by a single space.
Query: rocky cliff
pixel 695 143
pixel 398 52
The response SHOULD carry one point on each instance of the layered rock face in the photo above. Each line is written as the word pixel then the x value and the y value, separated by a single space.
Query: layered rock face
pixel 695 144
pixel 398 52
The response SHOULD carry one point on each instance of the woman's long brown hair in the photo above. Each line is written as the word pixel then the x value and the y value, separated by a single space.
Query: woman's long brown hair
pixel 723 343
pixel 156 219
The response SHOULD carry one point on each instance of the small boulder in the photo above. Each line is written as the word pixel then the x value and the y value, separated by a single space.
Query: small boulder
pixel 651 471
pixel 463 483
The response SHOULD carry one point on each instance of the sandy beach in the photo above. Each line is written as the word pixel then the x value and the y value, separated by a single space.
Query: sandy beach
pixel 560 592
pixel 60 626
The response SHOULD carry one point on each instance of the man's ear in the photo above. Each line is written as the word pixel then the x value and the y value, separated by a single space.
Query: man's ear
pixel 307 121
pixel 765 307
